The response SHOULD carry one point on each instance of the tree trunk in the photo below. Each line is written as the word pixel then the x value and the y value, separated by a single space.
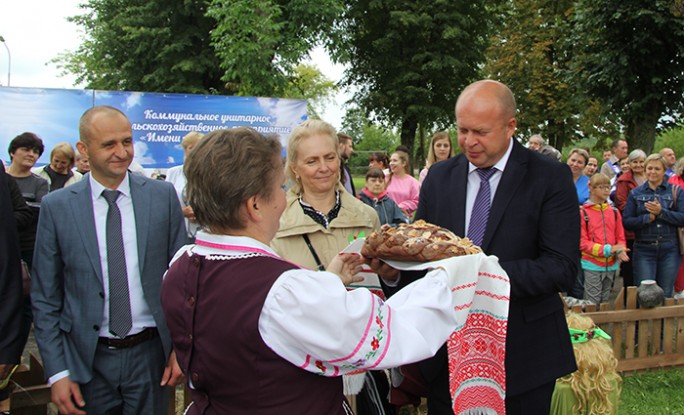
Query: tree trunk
pixel 641 130
pixel 420 153
pixel 409 125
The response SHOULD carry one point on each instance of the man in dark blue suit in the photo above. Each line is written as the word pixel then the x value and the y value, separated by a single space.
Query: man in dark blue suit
pixel 532 227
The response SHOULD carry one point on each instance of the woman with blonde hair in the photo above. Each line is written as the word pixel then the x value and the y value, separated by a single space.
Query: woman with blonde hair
pixel 655 211
pixel 594 389
pixel 320 217
pixel 58 173
pixel 402 187
pixel 440 149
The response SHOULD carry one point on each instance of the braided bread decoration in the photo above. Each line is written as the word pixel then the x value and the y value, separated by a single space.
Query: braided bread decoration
pixel 416 242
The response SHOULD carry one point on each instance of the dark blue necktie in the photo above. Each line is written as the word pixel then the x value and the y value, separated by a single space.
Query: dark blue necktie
pixel 480 212
pixel 120 321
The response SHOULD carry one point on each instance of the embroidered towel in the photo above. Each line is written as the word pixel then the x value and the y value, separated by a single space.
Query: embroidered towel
pixel 476 348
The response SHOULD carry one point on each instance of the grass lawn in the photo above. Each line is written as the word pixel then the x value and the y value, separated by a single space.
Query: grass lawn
pixel 359 183
pixel 658 392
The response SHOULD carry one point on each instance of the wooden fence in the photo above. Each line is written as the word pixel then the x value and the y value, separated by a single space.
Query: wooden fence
pixel 642 338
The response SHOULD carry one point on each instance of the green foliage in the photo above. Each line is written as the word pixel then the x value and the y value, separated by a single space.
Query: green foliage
pixel 531 56
pixel 307 82
pixel 260 42
pixel 202 46
pixel 368 137
pixel 150 45
pixel 411 59
pixel 672 138
pixel 630 55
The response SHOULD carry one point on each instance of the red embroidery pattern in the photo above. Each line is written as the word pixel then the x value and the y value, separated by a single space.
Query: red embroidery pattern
pixel 476 357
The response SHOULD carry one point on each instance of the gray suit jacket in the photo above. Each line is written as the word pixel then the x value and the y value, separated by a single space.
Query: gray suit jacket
pixel 67 292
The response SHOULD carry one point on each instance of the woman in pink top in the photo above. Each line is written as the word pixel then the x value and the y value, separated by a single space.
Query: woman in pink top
pixel 401 186
pixel 678 179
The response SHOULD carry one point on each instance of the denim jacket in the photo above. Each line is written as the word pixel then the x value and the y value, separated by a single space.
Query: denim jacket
pixel 664 227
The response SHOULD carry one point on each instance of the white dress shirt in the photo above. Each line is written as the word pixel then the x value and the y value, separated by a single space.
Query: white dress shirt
pixel 474 183
pixel 140 311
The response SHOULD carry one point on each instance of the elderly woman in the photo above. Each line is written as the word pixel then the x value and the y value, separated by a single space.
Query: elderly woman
pixel 176 176
pixel 255 333
pixel 320 218
pixel 577 161
pixel 440 149
pixel 58 173
pixel 654 211
pixel 628 180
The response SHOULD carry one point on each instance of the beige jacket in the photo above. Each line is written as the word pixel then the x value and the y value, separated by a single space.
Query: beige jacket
pixel 354 217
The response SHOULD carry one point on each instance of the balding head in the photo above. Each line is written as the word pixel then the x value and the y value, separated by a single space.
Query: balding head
pixel 485 117
pixel 488 89
pixel 84 125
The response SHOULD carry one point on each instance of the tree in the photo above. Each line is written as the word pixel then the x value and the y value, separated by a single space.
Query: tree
pixel 246 47
pixel 309 83
pixel 631 56
pixel 531 55
pixel 260 42
pixel 150 45
pixel 411 59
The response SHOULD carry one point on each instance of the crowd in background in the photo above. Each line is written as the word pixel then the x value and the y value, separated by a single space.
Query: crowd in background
pixel 631 219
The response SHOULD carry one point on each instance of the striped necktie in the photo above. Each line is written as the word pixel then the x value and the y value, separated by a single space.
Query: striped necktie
pixel 480 213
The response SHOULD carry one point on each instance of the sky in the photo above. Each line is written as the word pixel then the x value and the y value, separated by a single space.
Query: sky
pixel 36 31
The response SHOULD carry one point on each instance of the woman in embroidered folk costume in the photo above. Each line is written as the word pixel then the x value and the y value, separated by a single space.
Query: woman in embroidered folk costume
pixel 594 389
pixel 321 218
pixel 257 334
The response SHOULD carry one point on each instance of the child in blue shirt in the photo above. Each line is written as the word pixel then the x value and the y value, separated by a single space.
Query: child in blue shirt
pixel 375 195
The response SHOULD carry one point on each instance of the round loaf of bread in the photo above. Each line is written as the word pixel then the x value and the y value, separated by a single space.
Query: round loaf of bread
pixel 416 242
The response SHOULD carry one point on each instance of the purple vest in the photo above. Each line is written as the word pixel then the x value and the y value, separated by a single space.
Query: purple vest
pixel 212 307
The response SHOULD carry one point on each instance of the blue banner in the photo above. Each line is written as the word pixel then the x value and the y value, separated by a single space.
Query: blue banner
pixel 159 121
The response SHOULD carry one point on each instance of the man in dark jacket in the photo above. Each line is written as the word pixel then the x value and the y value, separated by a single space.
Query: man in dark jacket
pixel 10 286
pixel 531 223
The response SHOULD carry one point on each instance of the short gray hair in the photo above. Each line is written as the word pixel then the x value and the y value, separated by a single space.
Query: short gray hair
pixel 636 154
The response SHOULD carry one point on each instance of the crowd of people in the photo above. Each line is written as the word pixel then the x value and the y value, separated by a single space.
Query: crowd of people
pixel 237 283
pixel 640 240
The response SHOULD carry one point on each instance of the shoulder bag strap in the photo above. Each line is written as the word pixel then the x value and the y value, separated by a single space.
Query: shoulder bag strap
pixel 313 252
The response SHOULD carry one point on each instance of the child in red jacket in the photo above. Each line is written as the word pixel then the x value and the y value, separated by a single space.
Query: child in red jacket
pixel 602 242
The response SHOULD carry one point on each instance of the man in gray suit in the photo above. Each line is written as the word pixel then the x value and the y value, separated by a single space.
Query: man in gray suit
pixel 102 248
